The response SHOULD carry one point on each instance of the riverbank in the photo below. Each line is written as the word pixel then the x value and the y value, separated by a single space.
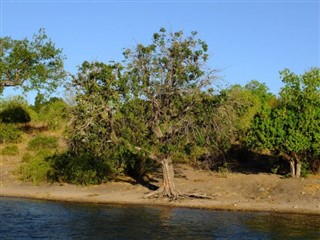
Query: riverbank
pixel 227 191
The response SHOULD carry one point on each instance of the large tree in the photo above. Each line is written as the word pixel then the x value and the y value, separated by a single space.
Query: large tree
pixel 169 75
pixel 291 128
pixel 150 108
pixel 32 64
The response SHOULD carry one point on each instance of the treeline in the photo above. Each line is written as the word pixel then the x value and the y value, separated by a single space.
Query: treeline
pixel 159 106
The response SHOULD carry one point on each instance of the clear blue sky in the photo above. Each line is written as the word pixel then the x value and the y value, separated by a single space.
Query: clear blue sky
pixel 247 39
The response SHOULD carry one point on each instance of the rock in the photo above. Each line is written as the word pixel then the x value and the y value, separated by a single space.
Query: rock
pixel 295 206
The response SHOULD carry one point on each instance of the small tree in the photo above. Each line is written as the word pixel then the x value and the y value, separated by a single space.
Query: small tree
pixel 291 129
pixel 32 64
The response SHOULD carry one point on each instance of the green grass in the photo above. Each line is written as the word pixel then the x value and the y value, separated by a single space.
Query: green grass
pixel 36 168
pixel 9 133
pixel 43 142
pixel 10 150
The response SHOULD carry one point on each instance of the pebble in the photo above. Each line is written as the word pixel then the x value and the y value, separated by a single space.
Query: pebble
pixel 234 204
pixel 295 206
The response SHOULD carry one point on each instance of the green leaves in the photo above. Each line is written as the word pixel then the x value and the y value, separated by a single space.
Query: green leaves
pixel 32 64
pixel 293 126
pixel 145 109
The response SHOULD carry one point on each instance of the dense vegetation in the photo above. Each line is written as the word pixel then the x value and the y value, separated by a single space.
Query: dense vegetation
pixel 159 107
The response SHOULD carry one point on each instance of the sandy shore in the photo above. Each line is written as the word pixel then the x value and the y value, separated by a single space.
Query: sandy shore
pixel 237 192
pixel 134 195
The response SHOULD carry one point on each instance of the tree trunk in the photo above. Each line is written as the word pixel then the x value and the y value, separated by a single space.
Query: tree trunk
pixel 298 169
pixel 168 188
pixel 292 168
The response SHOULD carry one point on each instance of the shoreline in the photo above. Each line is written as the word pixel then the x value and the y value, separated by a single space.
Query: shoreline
pixel 119 193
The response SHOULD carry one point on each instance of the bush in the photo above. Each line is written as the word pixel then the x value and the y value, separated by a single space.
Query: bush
pixel 9 133
pixel 10 150
pixel 43 142
pixel 305 170
pixel 14 111
pixel 82 169
pixel 15 114
pixel 53 113
pixel 37 169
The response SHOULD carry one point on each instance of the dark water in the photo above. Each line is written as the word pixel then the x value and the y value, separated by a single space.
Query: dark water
pixel 28 219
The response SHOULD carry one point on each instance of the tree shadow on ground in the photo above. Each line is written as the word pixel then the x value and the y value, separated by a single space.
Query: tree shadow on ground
pixel 241 160
pixel 145 181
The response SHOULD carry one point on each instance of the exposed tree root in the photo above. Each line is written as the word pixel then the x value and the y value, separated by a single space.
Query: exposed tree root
pixel 160 193
pixel 200 196
pixel 163 193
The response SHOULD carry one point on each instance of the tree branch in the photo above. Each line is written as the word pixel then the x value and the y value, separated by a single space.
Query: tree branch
pixel 8 84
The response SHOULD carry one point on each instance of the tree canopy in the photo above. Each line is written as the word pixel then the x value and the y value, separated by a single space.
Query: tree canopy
pixel 149 106
pixel 292 128
pixel 32 64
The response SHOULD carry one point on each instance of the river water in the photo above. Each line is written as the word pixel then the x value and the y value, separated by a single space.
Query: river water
pixel 32 219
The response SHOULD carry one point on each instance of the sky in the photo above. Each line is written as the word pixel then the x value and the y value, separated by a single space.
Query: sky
pixel 247 39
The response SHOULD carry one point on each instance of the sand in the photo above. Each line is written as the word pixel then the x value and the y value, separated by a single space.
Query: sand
pixel 227 191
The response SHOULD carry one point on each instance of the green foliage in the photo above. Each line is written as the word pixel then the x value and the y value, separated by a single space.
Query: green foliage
pixel 15 110
pixel 242 104
pixel 131 116
pixel 37 168
pixel 10 133
pixel 15 114
pixel 168 78
pixel 43 142
pixel 52 113
pixel 80 169
pixel 291 128
pixel 34 64
pixel 10 150
pixel 305 169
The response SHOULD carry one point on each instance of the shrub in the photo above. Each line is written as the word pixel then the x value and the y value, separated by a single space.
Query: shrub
pixel 9 133
pixel 82 169
pixel 53 113
pixel 10 150
pixel 15 114
pixel 37 169
pixel 305 170
pixel 14 110
pixel 43 142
